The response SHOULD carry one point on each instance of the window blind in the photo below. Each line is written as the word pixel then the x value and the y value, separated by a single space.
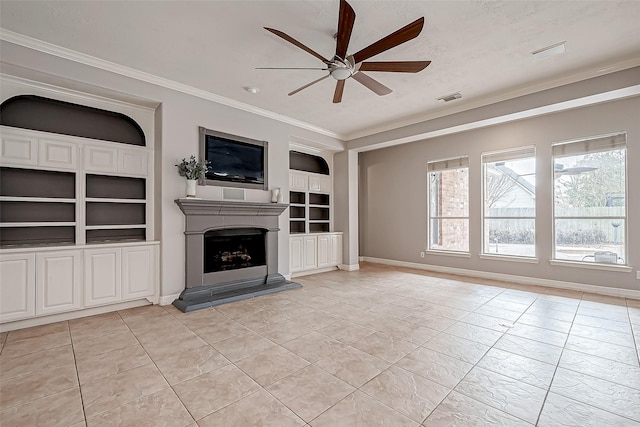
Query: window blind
pixel 455 163
pixel 592 145
pixel 503 156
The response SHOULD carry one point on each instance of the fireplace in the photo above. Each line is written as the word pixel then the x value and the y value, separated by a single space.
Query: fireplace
pixel 232 249
pixel 231 252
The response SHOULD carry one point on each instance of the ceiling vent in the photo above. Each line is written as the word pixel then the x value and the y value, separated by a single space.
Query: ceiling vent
pixel 451 97
pixel 546 52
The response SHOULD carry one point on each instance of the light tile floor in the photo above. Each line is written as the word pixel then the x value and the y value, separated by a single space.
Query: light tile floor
pixel 377 347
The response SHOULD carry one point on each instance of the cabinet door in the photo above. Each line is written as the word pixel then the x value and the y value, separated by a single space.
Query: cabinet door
pixel 102 276
pixel 138 267
pixel 19 150
pixel 132 162
pixel 310 256
pixel 58 282
pixel 296 254
pixel 100 159
pixel 336 249
pixel 324 251
pixel 58 154
pixel 297 182
pixel 18 286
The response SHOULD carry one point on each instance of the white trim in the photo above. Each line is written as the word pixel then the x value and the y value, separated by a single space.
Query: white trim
pixel 360 258
pixel 447 253
pixel 530 260
pixel 168 299
pixel 43 320
pixel 534 281
pixel 591 265
pixel 351 267
pixel 315 271
pixel 88 98
pixel 92 61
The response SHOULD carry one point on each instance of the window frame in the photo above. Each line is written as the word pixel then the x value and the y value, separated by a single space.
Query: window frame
pixel 463 161
pixel 587 264
pixel 505 156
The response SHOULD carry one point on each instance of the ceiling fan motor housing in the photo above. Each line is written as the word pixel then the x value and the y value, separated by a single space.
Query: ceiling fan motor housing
pixel 341 69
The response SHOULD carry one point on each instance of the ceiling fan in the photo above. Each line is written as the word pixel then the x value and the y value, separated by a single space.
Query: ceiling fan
pixel 342 66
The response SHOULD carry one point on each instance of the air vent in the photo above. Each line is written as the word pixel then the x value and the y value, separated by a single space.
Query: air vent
pixel 451 97
pixel 546 52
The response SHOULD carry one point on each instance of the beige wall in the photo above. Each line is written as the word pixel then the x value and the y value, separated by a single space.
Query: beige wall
pixel 393 202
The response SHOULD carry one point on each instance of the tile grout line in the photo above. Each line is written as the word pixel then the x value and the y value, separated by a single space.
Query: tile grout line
pixel 75 364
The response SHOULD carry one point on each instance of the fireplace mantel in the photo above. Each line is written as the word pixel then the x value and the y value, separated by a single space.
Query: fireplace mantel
pixel 193 206
pixel 209 289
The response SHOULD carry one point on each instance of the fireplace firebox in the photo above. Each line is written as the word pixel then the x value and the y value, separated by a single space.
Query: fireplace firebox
pixel 232 249
pixel 231 252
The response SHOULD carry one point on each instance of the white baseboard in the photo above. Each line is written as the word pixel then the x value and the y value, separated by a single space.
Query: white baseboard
pixel 350 267
pixel 360 258
pixel 168 299
pixel 524 280
pixel 309 272
pixel 60 317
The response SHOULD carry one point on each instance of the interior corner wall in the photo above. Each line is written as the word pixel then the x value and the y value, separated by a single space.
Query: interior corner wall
pixel 181 114
pixel 393 199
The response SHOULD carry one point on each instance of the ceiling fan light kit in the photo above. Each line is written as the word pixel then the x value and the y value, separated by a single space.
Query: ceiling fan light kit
pixel 342 66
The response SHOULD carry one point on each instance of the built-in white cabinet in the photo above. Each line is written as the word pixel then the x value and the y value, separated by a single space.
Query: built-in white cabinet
pixel 102 276
pixel 76 226
pixel 119 274
pixel 318 251
pixel 58 282
pixel 138 272
pixel 310 252
pixel 17 286
pixel 296 254
pixel 329 250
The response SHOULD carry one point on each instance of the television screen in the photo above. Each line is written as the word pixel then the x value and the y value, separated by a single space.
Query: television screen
pixel 234 161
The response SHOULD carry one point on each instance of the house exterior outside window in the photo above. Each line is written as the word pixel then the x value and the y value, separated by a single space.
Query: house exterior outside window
pixel 448 198
pixel 509 203
pixel 590 214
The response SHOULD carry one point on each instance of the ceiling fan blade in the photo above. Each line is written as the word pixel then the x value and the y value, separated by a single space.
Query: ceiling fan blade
pixel 337 95
pixel 372 84
pixel 291 68
pixel 395 66
pixel 297 43
pixel 345 25
pixel 307 85
pixel 404 34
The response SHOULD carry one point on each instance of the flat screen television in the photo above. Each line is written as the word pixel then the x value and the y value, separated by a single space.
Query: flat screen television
pixel 234 161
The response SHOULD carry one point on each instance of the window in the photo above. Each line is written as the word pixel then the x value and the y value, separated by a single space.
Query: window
pixel 448 205
pixel 589 200
pixel 509 192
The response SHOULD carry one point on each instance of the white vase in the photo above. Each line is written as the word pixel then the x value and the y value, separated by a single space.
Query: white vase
pixel 191 187
pixel 275 195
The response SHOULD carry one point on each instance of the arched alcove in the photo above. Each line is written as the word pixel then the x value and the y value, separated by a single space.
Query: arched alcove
pixel 51 115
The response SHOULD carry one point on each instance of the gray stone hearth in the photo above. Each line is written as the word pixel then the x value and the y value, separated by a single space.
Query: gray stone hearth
pixel 210 288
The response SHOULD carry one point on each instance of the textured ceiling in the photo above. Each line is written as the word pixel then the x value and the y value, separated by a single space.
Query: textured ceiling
pixel 479 48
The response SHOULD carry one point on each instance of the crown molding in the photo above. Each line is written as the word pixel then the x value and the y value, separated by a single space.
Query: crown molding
pixel 72 94
pixel 92 61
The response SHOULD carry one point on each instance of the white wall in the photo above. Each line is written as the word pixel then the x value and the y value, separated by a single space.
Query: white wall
pixel 172 127
pixel 393 192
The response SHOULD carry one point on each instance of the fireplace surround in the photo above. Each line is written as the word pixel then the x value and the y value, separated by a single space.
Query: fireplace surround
pixel 231 252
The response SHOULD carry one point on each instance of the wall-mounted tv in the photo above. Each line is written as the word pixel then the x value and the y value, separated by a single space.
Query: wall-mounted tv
pixel 234 161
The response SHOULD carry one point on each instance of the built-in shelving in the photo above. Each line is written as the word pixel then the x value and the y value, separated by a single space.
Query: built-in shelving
pixel 38 207
pixel 115 208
